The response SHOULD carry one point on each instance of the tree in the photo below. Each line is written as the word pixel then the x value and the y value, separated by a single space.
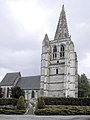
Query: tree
pixel 16 92
pixel 83 86
pixel 41 103
pixel 21 103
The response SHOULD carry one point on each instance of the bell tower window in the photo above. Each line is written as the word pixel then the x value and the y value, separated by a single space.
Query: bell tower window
pixel 54 48
pixel 65 35
pixel 62 51
pixel 56 71
pixel 55 55
pixel 57 61
pixel 54 52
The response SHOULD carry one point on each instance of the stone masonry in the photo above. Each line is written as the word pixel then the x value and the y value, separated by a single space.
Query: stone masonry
pixel 59 65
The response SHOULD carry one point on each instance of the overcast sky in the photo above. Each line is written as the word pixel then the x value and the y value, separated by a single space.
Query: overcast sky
pixel 23 24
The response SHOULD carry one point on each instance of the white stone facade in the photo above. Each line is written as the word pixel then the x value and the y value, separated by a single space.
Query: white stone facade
pixel 6 91
pixel 31 94
pixel 59 77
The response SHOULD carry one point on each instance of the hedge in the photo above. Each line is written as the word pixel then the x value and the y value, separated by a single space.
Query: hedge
pixel 69 110
pixel 10 110
pixel 8 107
pixel 67 101
pixel 8 101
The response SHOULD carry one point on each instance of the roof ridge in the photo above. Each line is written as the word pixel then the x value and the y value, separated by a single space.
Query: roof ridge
pixel 12 72
pixel 29 76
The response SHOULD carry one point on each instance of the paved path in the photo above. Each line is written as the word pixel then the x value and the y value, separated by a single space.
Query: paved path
pixel 33 117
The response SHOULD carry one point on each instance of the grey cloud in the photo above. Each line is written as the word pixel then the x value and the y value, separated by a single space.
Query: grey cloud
pixel 20 51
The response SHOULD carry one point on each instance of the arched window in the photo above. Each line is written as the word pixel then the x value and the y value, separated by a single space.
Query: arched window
pixel 7 92
pixel 33 94
pixel 56 71
pixel 62 48
pixel 55 55
pixel 65 35
pixel 54 48
pixel 62 51
pixel 54 52
pixel 1 92
pixel 57 61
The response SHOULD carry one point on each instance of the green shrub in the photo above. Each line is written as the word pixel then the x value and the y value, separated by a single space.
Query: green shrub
pixel 69 110
pixel 21 103
pixel 8 101
pixel 12 111
pixel 67 101
pixel 16 92
pixel 8 107
pixel 41 103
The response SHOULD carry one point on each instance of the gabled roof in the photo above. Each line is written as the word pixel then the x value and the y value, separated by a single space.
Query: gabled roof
pixel 29 83
pixel 9 79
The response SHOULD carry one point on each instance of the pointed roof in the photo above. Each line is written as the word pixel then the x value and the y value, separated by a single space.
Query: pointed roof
pixel 46 37
pixel 10 79
pixel 62 28
pixel 46 40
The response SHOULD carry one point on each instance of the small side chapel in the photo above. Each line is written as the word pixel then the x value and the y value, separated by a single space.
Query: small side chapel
pixel 59 68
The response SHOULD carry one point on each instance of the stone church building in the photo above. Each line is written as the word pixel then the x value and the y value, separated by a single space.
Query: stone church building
pixel 59 68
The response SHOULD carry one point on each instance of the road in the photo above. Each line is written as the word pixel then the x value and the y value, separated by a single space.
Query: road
pixel 33 117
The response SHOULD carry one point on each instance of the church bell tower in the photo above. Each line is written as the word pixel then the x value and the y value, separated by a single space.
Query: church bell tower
pixel 59 65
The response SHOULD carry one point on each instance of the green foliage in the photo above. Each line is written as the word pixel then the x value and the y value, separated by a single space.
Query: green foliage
pixel 10 112
pixel 21 103
pixel 8 101
pixel 67 101
pixel 41 103
pixel 83 86
pixel 64 110
pixel 8 107
pixel 16 92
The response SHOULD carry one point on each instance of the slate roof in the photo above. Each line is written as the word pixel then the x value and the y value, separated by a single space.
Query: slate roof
pixel 9 79
pixel 29 83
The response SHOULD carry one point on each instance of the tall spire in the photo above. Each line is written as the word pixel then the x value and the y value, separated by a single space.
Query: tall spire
pixel 62 28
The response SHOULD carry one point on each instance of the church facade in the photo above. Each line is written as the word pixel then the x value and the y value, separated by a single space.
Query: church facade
pixel 59 68
pixel 59 63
